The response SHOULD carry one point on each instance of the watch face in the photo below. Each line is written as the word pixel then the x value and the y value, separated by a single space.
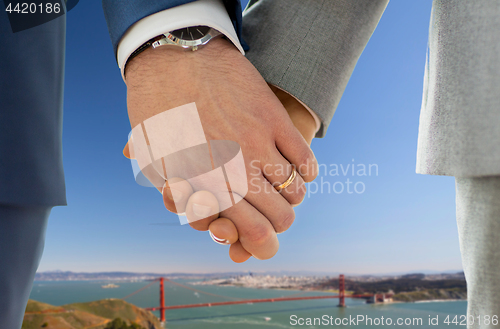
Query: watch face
pixel 191 33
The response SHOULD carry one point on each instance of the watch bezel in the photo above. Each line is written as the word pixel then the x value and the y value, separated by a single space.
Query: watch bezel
pixel 170 39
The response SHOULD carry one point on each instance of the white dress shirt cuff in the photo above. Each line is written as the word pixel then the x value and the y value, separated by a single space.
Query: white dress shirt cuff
pixel 211 13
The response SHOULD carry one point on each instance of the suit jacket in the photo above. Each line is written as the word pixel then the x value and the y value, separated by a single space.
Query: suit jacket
pixel 459 132
pixel 31 90
pixel 309 48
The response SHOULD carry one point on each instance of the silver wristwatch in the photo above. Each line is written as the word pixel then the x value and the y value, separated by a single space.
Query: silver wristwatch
pixel 192 38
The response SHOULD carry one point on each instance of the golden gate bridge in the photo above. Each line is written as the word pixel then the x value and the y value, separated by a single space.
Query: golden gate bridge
pixel 162 307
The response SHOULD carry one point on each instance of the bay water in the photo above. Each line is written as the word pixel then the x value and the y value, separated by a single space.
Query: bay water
pixel 289 314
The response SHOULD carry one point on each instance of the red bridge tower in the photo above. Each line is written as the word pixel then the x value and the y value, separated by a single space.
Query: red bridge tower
pixel 341 290
pixel 162 303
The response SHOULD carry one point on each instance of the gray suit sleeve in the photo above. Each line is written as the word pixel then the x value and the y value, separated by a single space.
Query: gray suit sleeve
pixel 309 48
pixel 459 131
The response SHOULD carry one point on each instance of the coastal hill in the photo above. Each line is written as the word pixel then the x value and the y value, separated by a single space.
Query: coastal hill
pixel 407 288
pixel 95 315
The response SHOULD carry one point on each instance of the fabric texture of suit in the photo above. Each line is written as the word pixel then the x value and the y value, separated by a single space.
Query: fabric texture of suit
pixel 31 91
pixel 22 238
pixel 459 132
pixel 309 48
pixel 478 220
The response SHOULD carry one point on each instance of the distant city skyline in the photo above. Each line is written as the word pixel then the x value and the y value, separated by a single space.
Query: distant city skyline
pixel 400 223
pixel 59 275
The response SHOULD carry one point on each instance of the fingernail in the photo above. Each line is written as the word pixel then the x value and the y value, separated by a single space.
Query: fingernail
pixel 176 195
pixel 218 240
pixel 201 210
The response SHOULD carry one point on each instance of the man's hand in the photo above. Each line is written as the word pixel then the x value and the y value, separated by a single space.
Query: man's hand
pixel 222 229
pixel 234 103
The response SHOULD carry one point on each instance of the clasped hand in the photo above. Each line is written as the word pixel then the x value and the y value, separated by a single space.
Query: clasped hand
pixel 234 103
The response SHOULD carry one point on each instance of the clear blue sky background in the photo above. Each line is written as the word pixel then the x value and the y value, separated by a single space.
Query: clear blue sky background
pixel 402 222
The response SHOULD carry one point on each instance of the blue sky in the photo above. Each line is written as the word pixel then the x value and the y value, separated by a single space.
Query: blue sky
pixel 401 223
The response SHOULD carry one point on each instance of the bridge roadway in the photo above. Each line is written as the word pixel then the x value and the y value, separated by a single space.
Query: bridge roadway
pixel 250 301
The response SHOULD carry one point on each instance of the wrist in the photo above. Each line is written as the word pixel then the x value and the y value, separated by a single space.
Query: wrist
pixel 153 59
pixel 166 77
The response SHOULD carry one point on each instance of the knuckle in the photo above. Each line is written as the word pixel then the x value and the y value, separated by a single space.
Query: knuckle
pixel 259 235
pixel 297 194
pixel 314 171
pixel 285 220
pixel 307 166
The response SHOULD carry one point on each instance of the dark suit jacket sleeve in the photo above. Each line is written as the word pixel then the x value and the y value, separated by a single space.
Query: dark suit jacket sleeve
pixel 121 15
pixel 31 99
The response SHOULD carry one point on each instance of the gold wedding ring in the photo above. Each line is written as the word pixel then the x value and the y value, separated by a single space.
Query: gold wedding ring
pixel 288 182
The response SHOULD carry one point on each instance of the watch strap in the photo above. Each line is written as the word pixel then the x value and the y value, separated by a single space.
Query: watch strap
pixel 143 47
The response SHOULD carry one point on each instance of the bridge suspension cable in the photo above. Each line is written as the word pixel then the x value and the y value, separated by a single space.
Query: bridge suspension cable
pixel 180 285
pixel 139 290
pixel 200 291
